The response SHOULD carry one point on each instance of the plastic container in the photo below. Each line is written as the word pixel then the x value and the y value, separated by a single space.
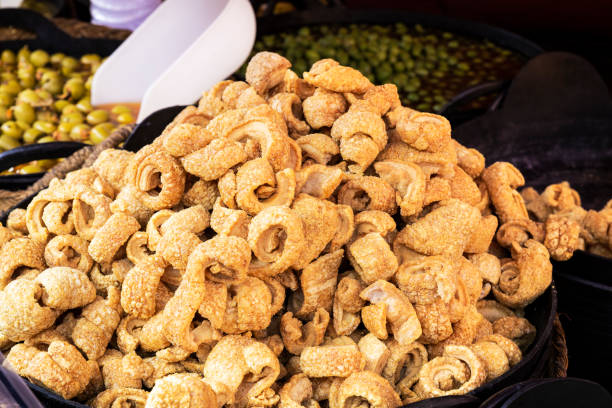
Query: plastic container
pixel 120 13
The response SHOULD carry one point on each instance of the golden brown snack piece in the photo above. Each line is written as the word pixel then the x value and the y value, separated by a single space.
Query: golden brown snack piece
pixel 214 160
pixel 318 180
pixel 470 160
pixel 323 108
pixel 526 277
pixel 423 131
pixel 562 237
pixel 16 221
pixel 123 371
pixel 517 329
pixel 457 372
pixel 296 336
pixel 111 236
pixel 331 360
pixel 193 219
pixel 202 193
pixel 86 202
pixel 181 391
pixel 266 70
pixel 403 366
pixel 258 187
pixel 400 313
pixel 227 221
pixel 379 99
pixel 318 147
pixel 22 312
pixel 18 254
pixel 128 202
pixel 140 286
pixel 375 319
pixel 368 386
pixel 297 392
pixel 346 304
pixel 243 368
pixel 65 288
pixel 483 235
pixel 368 193
pixel 61 368
pixel 497 353
pixel 408 180
pixel 70 251
pixel 111 165
pixel 329 74
pixel 375 352
pixel 290 106
pixel 186 138
pixel 116 397
pixel 372 258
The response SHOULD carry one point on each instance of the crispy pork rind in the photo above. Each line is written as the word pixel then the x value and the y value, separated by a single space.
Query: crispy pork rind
pixel 265 70
pixel 423 131
pixel 111 165
pixel 403 366
pixel 94 329
pixel 56 192
pixel 408 180
pixel 297 392
pixel 318 180
pixel 70 251
pixel 323 108
pixel 380 100
pixel 366 388
pixel 22 311
pixel 214 160
pixel 470 160
pixel 562 237
pixel 490 270
pixel 331 360
pixel 186 138
pixel 457 372
pixel 347 304
pixel 127 202
pixel 290 106
pixel 276 237
pixel 90 211
pixel 318 284
pixel 202 193
pixel 19 254
pixel 296 335
pixel 372 258
pixel 318 147
pixel 115 232
pixel 375 352
pixel 243 368
pixel 61 368
pixel 526 277
pixel 498 354
pixel 483 235
pixel 258 187
pixel 16 221
pixel 123 370
pixel 379 222
pixel 330 75
pixel 181 391
pixel 362 136
pixel 117 397
pixel 401 316
pixel 158 178
pixel 446 230
pixel 140 286
pixel 368 193
pixel 227 221
pixel 65 288
pixel 189 114
pixel 517 329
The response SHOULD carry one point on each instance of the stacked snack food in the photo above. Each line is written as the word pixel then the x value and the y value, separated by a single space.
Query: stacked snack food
pixel 45 98
pixel 289 242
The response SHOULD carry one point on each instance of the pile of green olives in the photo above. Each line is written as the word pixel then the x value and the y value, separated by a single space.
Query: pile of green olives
pixel 46 97
pixel 429 66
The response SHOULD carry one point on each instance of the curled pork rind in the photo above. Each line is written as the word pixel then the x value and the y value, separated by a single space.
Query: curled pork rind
pixel 242 260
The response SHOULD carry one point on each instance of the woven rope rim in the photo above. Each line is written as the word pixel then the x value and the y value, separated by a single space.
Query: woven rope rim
pixel 558 362
pixel 81 158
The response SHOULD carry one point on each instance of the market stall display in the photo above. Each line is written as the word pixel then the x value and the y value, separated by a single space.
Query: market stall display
pixel 392 223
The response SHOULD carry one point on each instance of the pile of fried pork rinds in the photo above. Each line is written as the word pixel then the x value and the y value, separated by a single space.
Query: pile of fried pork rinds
pixel 289 242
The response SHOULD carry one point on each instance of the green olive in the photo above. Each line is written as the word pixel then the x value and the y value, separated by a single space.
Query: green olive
pixel 30 135
pixel 46 115
pixel 27 82
pixel 61 136
pixel 46 163
pixel 69 65
pixel 24 112
pixel 60 104
pixel 65 127
pixel 12 129
pixel 23 54
pixel 97 116
pixel 72 117
pixel 56 59
pixel 100 132
pixel 69 109
pixel 119 109
pixel 89 82
pixel 45 139
pixel 125 118
pixel 4 111
pixel 7 142
pixel 8 57
pixel 74 89
pixel 39 58
pixel 29 96
pixel 91 59
pixel 43 126
pixel 84 105
pixel 31 169
pixel 11 86
pixel 52 82
pixel 6 99
pixel 80 132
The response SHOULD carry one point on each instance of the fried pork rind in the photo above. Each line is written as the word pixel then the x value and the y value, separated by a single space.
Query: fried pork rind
pixel 111 165
pixel 318 180
pixel 401 316
pixel 380 100
pixel 490 270
pixel 457 372
pixel 118 397
pixel 193 219
pixel 318 147
pixel 123 371
pixel 331 360
pixel 276 237
pixel 16 220
pixel 517 329
pixel 61 368
pixel 265 70
pixel 323 108
pixel 423 131
pixel 375 319
pixel 140 286
pixel 330 75
pixel 127 202
pixel 244 367
pixel 297 393
pixel 188 115
pixel 403 365
pixel 58 217
pixel 70 251
pixel 497 353
pixel 214 160
pixel 483 235
pixel 19 254
pixel 227 221
pixel 375 352
pixel 65 288
pixel 202 193
pixel 290 106
pixel 408 180
pixel 258 187
pixel 186 138
pixel 90 210
pixel 318 284
pixel 526 277
pixel 347 304
pixel 562 237
pixel 372 258
pixel 22 312
pixel 470 160
pixel 297 336
pixel 446 230
pixel 368 193
pixel 181 391
pixel 362 136
pixel 111 236
pixel 366 388
pixel 158 178
pixel 93 330
pixel 56 192
pixel 379 222
pixel 493 310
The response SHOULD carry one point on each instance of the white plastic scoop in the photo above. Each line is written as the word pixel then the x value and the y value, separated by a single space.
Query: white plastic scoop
pixel 181 50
